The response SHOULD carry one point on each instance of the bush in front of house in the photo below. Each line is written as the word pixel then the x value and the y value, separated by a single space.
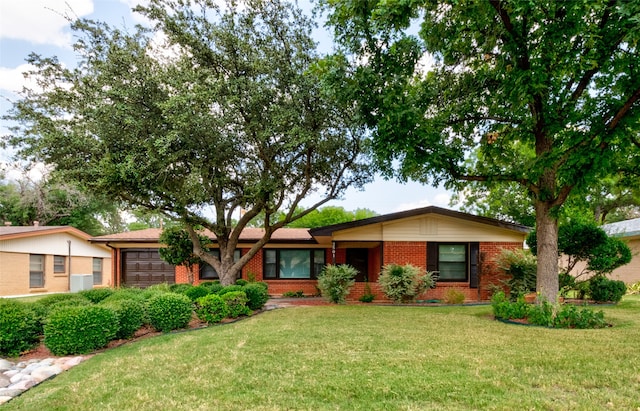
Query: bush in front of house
pixel 256 294
pixel 213 286
pixel 508 310
pixel 241 282
pixel 196 292
pixel 180 288
pixel 79 329
pixel 131 315
pixel 453 296
pixel 602 289
pixel 211 308
pixel 19 329
pixel 229 289
pixel 169 311
pixel 404 283
pixel 335 282
pixel 237 303
pixel 95 295
pixel 520 266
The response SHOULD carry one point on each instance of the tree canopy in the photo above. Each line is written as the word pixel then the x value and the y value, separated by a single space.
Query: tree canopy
pixel 320 217
pixel 543 94
pixel 212 109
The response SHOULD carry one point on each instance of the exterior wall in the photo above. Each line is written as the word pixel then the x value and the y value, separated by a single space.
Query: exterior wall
pixel 14 273
pixel 630 273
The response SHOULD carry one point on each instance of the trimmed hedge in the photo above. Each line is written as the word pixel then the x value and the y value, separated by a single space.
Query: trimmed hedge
pixel 257 295
pixel 602 289
pixel 80 329
pixel 95 295
pixel 169 311
pixel 237 303
pixel 196 292
pixel 211 308
pixel 19 330
pixel 131 314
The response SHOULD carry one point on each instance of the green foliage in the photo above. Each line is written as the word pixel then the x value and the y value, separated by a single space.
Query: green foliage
pixel 179 248
pixel 211 308
pixel 633 288
pixel 169 311
pixel 130 314
pixel 520 266
pixel 140 129
pixel 19 330
pixel 79 330
pixel 541 314
pixel 237 303
pixel 505 309
pixel 570 316
pixel 453 296
pixel 493 104
pixel 256 294
pixel 229 289
pixel 45 305
pixel 241 282
pixel 180 288
pixel 404 283
pixel 368 296
pixel 602 289
pixel 335 281
pixel 293 294
pixel 331 215
pixel 566 282
pixel 95 295
pixel 196 292
pixel 214 287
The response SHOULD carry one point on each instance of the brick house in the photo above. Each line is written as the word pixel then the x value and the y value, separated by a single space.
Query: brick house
pixel 41 259
pixel 629 232
pixel 460 246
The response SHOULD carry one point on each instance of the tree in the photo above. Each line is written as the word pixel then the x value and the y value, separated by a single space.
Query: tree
pixel 331 215
pixel 179 249
pixel 544 94
pixel 227 112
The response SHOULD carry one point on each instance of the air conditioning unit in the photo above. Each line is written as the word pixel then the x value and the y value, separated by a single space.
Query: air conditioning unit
pixel 81 282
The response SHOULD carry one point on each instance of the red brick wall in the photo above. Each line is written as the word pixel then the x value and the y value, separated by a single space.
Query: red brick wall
pixel 405 252
pixel 489 273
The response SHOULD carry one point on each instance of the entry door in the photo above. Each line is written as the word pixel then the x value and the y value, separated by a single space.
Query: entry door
pixel 358 258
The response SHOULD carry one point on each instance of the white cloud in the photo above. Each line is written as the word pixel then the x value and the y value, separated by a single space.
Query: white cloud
pixel 41 21
pixel 12 79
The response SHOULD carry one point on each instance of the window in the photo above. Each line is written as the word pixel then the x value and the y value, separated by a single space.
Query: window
pixel 293 264
pixel 36 271
pixel 97 271
pixel 209 273
pixel 59 264
pixel 452 262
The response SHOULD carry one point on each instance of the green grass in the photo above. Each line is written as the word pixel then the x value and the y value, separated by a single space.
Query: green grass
pixel 362 357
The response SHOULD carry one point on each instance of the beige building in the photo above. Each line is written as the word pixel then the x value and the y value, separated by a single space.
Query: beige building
pixel 629 232
pixel 41 259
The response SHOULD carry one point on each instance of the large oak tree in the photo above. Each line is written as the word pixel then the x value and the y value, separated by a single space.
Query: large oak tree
pixel 213 109
pixel 545 94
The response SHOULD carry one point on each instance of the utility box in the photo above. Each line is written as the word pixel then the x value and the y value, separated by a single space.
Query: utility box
pixel 80 282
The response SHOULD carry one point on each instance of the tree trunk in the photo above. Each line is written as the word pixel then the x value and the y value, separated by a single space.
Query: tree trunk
pixel 547 285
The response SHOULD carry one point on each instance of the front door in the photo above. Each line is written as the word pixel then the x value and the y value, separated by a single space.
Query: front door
pixel 358 258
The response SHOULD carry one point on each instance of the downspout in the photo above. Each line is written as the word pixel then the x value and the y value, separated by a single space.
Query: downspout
pixel 115 273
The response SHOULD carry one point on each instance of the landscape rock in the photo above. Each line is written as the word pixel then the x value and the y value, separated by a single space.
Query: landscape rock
pixel 4 381
pixel 5 365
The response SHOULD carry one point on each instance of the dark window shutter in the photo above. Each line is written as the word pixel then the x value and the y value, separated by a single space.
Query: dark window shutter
pixel 474 252
pixel 432 256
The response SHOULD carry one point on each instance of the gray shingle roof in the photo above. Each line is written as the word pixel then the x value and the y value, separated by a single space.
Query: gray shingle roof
pixel 627 228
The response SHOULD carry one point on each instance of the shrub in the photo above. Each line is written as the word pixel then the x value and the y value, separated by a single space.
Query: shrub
pixel 335 281
pixel 293 294
pixel 55 299
pixel 368 296
pixel 602 289
pixel 131 314
pixel 506 310
pixel 453 296
pixel 196 292
pixel 633 288
pixel 566 282
pixel 229 289
pixel 570 316
pixel 256 294
pixel 19 327
pixel 404 283
pixel 541 314
pixel 79 330
pixel 95 295
pixel 180 288
pixel 213 286
pixel 237 303
pixel 169 311
pixel 241 282
pixel 126 294
pixel 520 266
pixel 211 308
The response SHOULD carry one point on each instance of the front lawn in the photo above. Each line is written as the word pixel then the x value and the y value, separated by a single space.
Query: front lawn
pixel 362 357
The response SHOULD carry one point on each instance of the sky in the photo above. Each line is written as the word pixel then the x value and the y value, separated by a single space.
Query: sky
pixel 41 26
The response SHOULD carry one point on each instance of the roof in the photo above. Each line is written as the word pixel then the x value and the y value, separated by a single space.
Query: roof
pixel 12 232
pixel 330 229
pixel 250 234
pixel 627 228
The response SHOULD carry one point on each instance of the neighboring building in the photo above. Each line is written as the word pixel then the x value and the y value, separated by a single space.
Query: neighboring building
pixel 460 246
pixel 628 231
pixel 39 259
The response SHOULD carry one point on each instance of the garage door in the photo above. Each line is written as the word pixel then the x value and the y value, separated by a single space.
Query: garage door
pixel 142 267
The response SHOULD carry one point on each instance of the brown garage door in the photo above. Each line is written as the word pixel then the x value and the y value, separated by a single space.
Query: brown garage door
pixel 142 267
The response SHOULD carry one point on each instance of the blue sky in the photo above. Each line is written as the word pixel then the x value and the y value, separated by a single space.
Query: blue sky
pixel 40 26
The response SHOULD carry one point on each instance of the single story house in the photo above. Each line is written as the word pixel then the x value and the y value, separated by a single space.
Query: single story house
pixel 629 232
pixel 38 259
pixel 461 247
